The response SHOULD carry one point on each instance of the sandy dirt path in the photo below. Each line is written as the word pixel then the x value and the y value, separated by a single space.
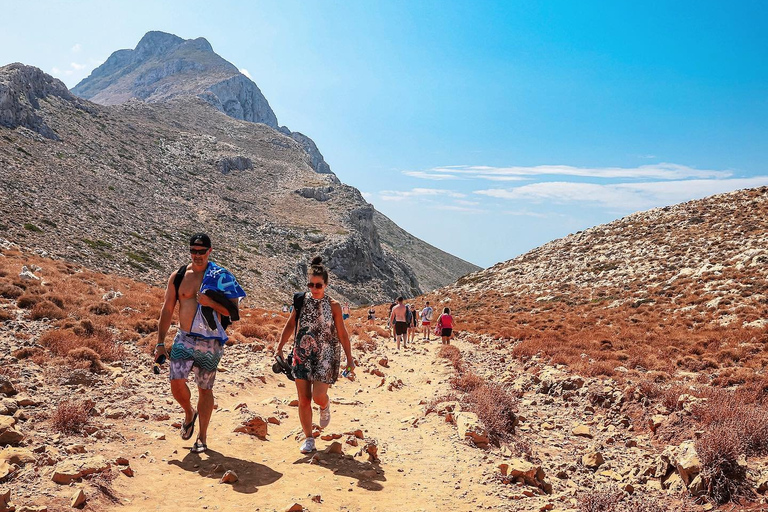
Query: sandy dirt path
pixel 423 466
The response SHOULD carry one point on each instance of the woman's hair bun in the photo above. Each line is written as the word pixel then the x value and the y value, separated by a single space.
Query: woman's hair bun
pixel 317 260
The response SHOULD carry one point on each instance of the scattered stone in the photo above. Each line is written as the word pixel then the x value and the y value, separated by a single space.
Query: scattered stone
pixel 294 507
pixel 78 499
pixel 8 434
pixel 70 470
pixel 582 431
pixel 592 460
pixel 229 477
pixel 6 386
pixel 469 427
pixel 336 448
pixel 523 471
pixel 384 362
pixel 127 471
pixel 317 498
pixel 18 456
pixel 255 426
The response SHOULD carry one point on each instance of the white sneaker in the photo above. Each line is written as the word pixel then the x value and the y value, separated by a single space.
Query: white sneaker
pixel 325 416
pixel 308 446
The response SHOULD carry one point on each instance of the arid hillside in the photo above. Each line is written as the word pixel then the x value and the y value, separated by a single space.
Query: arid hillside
pixel 120 188
pixel 683 287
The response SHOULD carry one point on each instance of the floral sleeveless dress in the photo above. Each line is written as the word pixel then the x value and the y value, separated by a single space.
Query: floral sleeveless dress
pixel 317 349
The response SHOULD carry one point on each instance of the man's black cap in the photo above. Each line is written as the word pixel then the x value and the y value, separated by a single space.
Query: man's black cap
pixel 200 239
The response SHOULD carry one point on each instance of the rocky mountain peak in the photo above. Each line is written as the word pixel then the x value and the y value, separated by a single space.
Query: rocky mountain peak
pixel 164 66
pixel 157 43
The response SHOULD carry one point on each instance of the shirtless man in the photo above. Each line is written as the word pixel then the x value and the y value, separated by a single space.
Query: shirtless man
pixel 398 318
pixel 190 352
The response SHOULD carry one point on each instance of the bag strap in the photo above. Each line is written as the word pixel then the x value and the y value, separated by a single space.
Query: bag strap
pixel 178 279
pixel 298 303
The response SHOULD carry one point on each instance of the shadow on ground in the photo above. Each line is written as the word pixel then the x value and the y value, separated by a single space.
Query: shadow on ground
pixel 212 464
pixel 369 475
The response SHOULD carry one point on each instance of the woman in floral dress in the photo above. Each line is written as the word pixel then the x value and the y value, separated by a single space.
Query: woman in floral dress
pixel 316 353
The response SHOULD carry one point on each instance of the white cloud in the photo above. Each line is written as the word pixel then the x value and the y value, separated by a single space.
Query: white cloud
pixel 661 171
pixel 624 196
pixel 461 209
pixel 366 195
pixel 77 48
pixel 523 213
pixel 55 70
pixel 76 66
pixel 246 73
pixel 400 195
pixel 430 175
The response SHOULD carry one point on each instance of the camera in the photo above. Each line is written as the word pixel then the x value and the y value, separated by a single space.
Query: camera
pixel 282 366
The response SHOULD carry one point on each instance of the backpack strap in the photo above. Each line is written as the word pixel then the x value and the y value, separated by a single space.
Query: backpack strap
pixel 178 279
pixel 298 303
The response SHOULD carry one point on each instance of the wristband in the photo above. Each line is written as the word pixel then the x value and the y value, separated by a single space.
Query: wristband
pixel 161 344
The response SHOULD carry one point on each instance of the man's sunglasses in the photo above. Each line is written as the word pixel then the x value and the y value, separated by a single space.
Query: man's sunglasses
pixel 315 285
pixel 198 251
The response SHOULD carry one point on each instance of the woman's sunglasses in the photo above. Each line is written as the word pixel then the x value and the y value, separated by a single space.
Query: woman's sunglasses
pixel 315 285
pixel 198 251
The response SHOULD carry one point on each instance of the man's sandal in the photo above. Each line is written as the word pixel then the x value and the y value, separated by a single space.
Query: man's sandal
pixel 198 447
pixel 187 429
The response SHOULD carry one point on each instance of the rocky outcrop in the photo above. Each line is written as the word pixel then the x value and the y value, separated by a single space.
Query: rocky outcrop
pixel 22 88
pixel 316 159
pixel 240 98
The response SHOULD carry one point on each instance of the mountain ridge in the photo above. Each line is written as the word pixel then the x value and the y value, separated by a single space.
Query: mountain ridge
pixel 122 186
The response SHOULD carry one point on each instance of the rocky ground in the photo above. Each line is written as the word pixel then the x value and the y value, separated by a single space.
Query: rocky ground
pixel 481 425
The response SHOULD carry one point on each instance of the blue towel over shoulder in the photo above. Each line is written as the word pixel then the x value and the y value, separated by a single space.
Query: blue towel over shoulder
pixel 217 278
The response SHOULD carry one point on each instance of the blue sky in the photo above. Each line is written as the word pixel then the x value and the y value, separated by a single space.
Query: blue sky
pixel 485 128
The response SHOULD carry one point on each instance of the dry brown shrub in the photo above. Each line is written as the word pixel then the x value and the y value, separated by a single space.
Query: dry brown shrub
pixel 56 299
pixel 718 451
pixel 84 328
pixel 600 500
pixel 26 352
pixel 496 408
pixel 26 301
pixel 72 416
pixel 87 355
pixel 47 309
pixel 10 291
pixel 451 353
pixel 146 326
pixel 102 308
pixel 467 381
pixel 433 404
pixel 61 341
pixel 6 315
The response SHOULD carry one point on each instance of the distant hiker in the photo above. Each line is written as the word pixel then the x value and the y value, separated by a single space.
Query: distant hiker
pixel 285 308
pixel 413 322
pixel 426 320
pixel 445 325
pixel 319 336
pixel 371 315
pixel 345 311
pixel 208 296
pixel 399 318
pixel 389 320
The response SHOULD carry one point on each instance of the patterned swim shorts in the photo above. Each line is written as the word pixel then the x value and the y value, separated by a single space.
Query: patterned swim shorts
pixel 194 353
